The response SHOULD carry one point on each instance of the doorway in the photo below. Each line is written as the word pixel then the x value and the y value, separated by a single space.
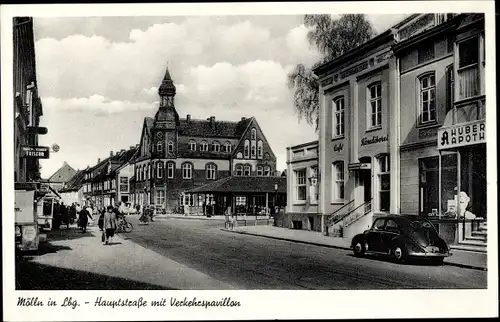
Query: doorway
pixel 366 181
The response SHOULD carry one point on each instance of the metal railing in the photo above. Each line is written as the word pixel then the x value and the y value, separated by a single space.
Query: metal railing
pixel 358 213
pixel 336 216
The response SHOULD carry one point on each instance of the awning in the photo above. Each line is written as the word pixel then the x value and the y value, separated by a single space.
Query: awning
pixel 359 166
pixel 237 184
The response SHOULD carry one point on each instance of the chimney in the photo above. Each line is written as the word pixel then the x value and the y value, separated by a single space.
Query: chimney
pixel 122 150
pixel 132 147
pixel 188 118
pixel 111 154
pixel 212 122
pixel 243 118
pixel 65 163
pixel 98 160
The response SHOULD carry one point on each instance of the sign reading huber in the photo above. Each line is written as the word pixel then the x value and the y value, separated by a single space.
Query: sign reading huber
pixel 462 134
pixel 41 152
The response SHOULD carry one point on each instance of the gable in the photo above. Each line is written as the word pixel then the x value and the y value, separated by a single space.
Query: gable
pixel 247 135
pixel 64 174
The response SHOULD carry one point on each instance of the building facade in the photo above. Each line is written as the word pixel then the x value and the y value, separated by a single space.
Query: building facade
pixel 402 129
pixel 27 103
pixel 176 155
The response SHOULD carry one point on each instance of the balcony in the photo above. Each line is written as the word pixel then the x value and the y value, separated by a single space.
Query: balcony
pixel 468 82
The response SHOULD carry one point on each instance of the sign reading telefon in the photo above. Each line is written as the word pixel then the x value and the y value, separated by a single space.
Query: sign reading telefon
pixel 462 135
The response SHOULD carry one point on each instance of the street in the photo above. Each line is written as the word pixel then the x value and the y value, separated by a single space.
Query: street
pixel 250 262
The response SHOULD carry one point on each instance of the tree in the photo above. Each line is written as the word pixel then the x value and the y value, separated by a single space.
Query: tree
pixel 332 38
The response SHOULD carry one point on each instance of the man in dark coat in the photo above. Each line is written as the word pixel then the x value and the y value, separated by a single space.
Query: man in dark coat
pixel 84 219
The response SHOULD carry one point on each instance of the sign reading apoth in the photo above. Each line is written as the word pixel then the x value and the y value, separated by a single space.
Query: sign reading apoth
pixel 462 134
pixel 41 152
pixel 374 139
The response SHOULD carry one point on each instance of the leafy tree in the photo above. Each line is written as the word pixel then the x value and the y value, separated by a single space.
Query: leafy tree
pixel 332 38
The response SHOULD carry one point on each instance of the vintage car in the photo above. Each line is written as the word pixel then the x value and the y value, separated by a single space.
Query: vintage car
pixel 402 238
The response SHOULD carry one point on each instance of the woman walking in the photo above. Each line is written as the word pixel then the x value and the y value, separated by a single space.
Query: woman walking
pixel 109 224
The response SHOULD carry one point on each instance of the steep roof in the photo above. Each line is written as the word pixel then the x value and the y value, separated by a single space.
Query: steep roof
pixel 207 128
pixel 64 174
pixel 75 183
pixel 236 184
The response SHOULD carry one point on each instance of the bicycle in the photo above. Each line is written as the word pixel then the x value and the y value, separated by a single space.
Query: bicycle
pixel 144 218
pixel 124 225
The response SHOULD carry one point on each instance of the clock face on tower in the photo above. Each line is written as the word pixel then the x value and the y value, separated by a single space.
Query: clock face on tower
pixel 159 135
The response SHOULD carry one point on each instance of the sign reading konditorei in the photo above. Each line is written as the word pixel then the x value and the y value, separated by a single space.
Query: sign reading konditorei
pixel 462 134
pixel 40 152
pixel 374 139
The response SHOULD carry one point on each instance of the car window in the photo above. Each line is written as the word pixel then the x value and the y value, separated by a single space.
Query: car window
pixel 391 225
pixel 378 224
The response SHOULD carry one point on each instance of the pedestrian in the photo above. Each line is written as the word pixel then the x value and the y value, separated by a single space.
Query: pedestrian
pixel 109 224
pixel 83 219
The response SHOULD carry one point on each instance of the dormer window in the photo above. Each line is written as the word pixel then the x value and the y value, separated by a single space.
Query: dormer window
pixel 204 146
pixel 227 146
pixel 216 146
pixel 192 145
pixel 170 147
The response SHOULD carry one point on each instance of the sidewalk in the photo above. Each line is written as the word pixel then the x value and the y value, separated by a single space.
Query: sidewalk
pixel 124 260
pixel 181 216
pixel 460 258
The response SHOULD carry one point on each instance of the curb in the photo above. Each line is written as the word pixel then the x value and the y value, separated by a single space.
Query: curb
pixel 191 218
pixel 340 247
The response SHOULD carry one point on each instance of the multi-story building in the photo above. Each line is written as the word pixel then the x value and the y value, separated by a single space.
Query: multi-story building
pixel 176 155
pixel 124 174
pixel 27 103
pixel 402 130
pixel 72 192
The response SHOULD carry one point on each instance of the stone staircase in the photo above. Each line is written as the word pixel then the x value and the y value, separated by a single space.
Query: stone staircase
pixel 476 241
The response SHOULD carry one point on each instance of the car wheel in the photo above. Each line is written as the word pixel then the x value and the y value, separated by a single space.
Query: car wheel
pixel 398 253
pixel 359 249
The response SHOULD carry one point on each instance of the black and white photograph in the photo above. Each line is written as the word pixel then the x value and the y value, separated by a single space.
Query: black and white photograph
pixel 155 154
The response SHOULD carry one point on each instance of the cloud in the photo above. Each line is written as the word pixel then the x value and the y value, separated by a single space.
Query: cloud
pixel 95 104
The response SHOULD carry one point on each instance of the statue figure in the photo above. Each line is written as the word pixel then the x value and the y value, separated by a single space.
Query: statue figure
pixel 464 202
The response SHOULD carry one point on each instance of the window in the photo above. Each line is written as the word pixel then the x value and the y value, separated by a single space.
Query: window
pixel 204 146
pixel 160 197
pixel 241 201
pixel 159 147
pixel 227 146
pixel 259 149
pixel 383 183
pixel 239 155
pixel 468 52
pixel 247 149
pixel 170 170
pixel 450 89
pixel 425 52
pixel 239 170
pixel 211 168
pixel 170 147
pixel 267 171
pixel 338 116
pixel 314 185
pixel 379 224
pixel 123 184
pixel 216 146
pixel 254 134
pixel 391 225
pixel 246 171
pixel 374 106
pixel 159 170
pixel 300 185
pixel 144 169
pixel 427 104
pixel 187 171
pixel 338 181
pixel 260 170
pixel 253 150
pixel 192 145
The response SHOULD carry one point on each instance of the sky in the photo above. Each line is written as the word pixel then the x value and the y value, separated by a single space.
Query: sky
pixel 98 77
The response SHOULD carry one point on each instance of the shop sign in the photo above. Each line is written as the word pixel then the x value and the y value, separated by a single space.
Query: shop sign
pixel 40 152
pixel 462 135
pixel 374 139
pixel 360 166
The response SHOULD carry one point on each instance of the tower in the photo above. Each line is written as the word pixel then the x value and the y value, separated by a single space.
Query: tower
pixel 166 120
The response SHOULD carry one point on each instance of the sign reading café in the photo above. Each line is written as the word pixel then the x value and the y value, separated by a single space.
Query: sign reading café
pixel 462 134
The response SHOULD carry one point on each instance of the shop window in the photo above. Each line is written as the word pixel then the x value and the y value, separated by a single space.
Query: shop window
pixel 338 117
pixel 338 181
pixel 260 170
pixel 300 185
pixel 428 186
pixel 247 149
pixel 211 169
pixel 170 170
pixel 247 171
pixel 383 183
pixel 216 146
pixel 192 145
pixel 427 98
pixel 374 105
pixel 425 52
pixel 187 171
pixel 203 146
pixel 259 149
